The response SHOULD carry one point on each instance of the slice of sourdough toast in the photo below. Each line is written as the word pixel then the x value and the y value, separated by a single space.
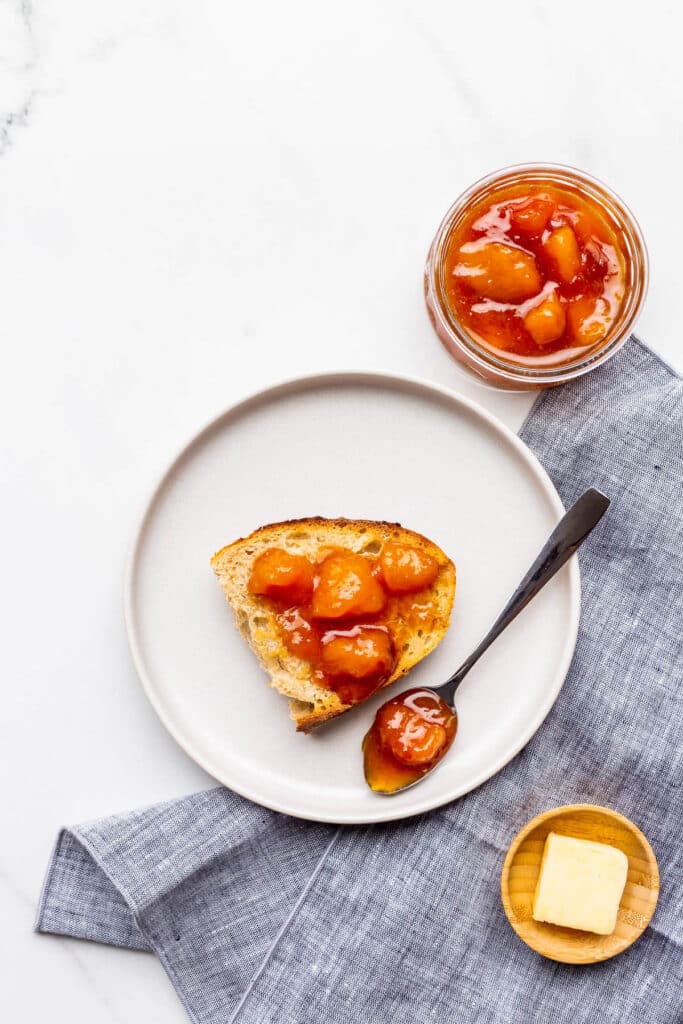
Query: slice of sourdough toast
pixel 417 622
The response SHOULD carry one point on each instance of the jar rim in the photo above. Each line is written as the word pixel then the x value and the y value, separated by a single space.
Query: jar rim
pixel 597 190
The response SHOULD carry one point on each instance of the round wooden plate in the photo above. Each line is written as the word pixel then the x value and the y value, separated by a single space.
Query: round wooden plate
pixel 522 866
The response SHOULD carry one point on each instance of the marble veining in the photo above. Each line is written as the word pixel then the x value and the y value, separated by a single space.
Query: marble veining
pixel 18 60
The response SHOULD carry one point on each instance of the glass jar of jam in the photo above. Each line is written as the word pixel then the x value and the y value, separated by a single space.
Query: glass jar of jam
pixel 536 275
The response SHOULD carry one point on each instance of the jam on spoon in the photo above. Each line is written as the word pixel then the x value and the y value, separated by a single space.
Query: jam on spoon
pixel 412 733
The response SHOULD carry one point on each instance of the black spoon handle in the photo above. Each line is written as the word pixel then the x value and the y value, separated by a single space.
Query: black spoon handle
pixel 571 530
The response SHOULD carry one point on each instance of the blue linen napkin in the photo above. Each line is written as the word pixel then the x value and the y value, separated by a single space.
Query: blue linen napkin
pixel 261 918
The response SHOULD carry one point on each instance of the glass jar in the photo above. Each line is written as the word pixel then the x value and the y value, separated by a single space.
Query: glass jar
pixel 502 369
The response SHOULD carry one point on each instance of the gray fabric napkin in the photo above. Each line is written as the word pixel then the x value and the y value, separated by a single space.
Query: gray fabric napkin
pixel 261 918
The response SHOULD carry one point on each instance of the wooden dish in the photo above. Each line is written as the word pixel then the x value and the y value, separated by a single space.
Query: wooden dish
pixel 521 869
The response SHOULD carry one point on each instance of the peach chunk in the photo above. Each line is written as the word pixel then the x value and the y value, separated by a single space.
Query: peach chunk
pixel 410 737
pixel 346 588
pixel 406 569
pixel 546 323
pixel 360 652
pixel 589 319
pixel 498 271
pixel 298 634
pixel 563 249
pixel 278 574
pixel 532 214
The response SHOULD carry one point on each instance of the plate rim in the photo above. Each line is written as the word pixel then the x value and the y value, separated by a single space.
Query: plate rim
pixel 307 382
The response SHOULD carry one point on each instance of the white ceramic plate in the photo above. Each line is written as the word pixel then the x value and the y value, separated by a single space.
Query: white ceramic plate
pixel 359 445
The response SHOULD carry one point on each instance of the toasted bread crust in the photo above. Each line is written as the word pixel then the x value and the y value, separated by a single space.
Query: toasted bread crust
pixel 311 704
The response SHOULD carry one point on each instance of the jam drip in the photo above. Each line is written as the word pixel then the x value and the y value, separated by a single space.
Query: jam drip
pixel 354 660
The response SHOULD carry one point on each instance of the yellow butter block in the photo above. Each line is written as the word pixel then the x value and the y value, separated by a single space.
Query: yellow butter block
pixel 580 884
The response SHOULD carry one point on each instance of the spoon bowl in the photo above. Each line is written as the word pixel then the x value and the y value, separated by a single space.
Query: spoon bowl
pixel 394 765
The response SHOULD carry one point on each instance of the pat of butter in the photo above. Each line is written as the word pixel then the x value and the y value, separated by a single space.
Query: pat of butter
pixel 580 884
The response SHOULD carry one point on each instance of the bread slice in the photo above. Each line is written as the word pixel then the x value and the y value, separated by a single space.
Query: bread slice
pixel 310 703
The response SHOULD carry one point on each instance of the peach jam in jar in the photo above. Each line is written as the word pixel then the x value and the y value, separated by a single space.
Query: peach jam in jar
pixel 535 276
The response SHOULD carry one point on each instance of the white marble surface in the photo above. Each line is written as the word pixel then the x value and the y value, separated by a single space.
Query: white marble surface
pixel 197 199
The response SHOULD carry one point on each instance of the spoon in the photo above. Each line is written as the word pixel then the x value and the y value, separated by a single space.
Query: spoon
pixel 412 732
